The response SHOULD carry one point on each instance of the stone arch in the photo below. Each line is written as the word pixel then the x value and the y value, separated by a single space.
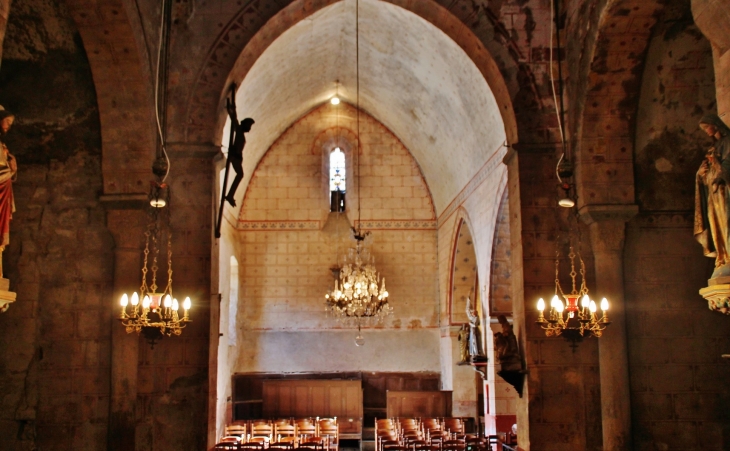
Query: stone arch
pixel 123 82
pixel 236 50
pixel 335 136
pixel 456 307
pixel 605 142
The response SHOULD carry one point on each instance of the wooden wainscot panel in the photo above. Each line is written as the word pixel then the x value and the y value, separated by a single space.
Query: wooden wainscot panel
pixel 411 404
pixel 316 398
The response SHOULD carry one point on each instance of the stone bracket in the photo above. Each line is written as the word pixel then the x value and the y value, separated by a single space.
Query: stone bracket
pixel 6 296
pixel 718 297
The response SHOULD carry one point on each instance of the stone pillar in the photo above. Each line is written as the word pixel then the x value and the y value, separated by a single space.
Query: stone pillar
pixel 607 225
pixel 127 226
pixel 713 19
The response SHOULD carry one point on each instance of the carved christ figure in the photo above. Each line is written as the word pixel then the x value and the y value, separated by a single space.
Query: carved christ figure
pixel 235 153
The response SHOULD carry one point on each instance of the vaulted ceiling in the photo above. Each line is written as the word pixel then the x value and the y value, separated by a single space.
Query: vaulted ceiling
pixel 413 78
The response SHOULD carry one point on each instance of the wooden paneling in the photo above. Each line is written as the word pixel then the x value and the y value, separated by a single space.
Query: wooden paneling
pixel 312 398
pixel 411 404
pixel 248 395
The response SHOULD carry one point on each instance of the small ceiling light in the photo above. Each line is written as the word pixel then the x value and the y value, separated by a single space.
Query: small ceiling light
pixel 335 100
pixel 566 202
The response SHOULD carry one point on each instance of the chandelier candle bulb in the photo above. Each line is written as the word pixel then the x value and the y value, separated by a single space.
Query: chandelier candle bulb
pixel 186 306
pixel 604 304
pixel 124 302
pixel 135 299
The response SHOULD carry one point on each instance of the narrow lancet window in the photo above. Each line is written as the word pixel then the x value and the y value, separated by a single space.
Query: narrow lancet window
pixel 337 180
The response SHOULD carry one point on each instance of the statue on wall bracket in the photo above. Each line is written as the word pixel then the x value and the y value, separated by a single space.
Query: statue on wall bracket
pixel 508 355
pixel 8 174
pixel 712 206
pixel 470 338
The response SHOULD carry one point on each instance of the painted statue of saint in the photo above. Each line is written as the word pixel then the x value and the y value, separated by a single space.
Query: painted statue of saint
pixel 505 346
pixel 8 173
pixel 711 224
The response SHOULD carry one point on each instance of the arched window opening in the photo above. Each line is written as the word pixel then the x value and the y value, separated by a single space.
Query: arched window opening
pixel 233 302
pixel 337 180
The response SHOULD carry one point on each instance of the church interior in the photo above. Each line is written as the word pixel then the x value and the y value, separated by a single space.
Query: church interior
pixel 435 198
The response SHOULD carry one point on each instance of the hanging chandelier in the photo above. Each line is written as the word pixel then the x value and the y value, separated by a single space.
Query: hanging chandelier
pixel 359 295
pixel 159 312
pixel 152 312
pixel 568 319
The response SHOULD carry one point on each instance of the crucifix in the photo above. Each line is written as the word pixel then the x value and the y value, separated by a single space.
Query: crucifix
pixel 236 142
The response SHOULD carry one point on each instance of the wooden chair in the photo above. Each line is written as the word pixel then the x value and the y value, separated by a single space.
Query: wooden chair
pixel 285 433
pixel 475 443
pixel 455 426
pixel 330 430
pixel 390 444
pixel 252 446
pixel 423 445
pixel 237 429
pixel 453 445
pixel 385 431
pixel 261 432
pixel 306 429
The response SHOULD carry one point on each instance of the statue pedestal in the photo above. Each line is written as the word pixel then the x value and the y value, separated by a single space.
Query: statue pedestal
pixel 6 296
pixel 717 294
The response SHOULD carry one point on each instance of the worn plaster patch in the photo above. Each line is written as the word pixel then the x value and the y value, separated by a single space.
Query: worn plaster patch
pixel 663 165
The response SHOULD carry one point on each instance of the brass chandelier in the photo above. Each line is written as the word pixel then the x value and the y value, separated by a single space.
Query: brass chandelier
pixel 568 319
pixel 159 312
pixel 359 294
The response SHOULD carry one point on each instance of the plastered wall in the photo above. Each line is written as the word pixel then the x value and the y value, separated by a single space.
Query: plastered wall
pixel 286 255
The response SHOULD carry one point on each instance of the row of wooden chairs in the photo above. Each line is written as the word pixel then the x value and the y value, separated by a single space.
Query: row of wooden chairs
pixel 425 434
pixel 320 434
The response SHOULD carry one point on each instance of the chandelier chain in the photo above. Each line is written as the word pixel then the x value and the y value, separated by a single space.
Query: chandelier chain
pixel 143 287
pixel 155 252
pixel 573 273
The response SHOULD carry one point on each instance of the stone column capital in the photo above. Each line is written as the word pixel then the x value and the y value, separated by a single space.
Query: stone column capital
pixel 608 225
pixel 608 212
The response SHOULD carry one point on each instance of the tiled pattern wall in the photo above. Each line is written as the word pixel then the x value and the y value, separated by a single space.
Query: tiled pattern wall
pixel 284 273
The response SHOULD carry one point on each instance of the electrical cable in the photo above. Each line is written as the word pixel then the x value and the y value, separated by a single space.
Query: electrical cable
pixel 157 87
pixel 357 101
pixel 552 75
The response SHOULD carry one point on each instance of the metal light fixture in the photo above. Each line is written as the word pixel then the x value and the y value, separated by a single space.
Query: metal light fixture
pixel 359 294
pixel 159 312
pixel 568 319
